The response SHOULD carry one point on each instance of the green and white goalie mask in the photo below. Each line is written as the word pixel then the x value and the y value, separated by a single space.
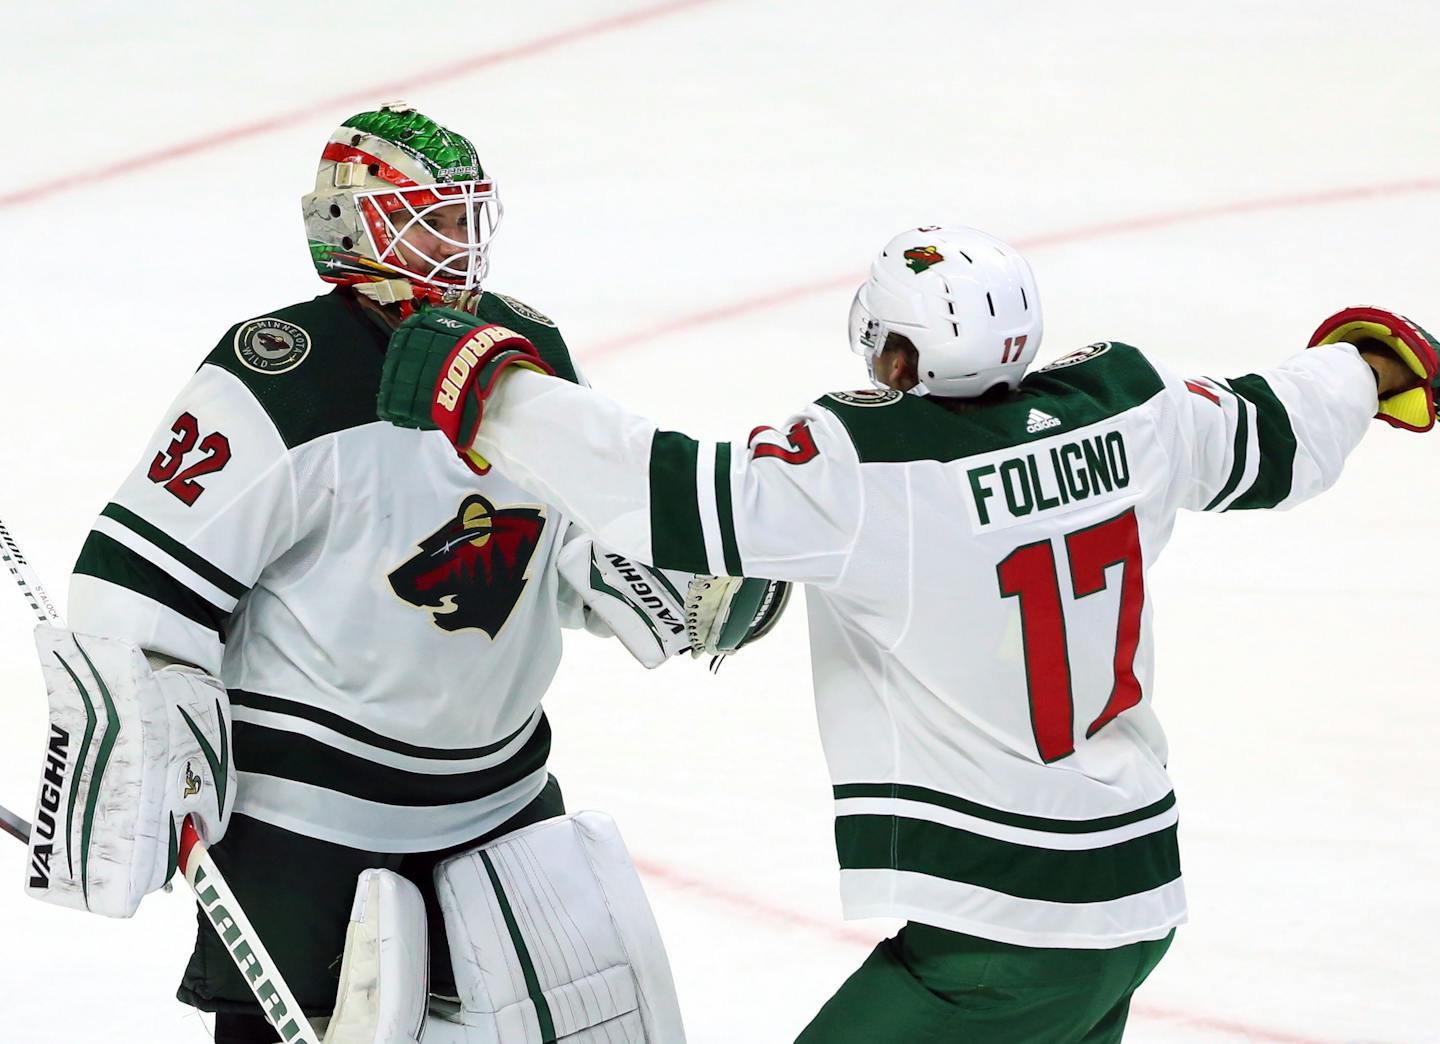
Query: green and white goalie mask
pixel 402 209
pixel 437 234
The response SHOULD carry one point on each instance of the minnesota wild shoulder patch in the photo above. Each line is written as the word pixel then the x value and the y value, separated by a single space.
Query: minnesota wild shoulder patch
pixel 523 310
pixel 1080 355
pixel 866 397
pixel 271 345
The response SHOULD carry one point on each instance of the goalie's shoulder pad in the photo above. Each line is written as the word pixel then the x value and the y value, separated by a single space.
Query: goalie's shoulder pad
pixel 305 364
pixel 534 325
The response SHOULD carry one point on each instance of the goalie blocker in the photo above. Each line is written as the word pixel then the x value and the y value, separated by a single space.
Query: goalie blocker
pixel 130 752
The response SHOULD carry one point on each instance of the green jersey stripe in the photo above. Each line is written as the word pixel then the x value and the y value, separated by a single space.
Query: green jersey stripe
pixel 1242 443
pixel 105 558
pixel 334 722
pixel 522 953
pixel 726 511
pixel 176 550
pixel 1277 445
pixel 1094 875
pixel 676 537
pixel 907 792
pixel 301 759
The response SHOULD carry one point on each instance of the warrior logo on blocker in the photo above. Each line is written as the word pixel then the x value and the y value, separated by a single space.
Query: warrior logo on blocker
pixel 471 571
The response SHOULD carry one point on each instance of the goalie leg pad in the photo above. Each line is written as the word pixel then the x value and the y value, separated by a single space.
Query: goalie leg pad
pixel 552 939
pixel 130 752
pixel 385 973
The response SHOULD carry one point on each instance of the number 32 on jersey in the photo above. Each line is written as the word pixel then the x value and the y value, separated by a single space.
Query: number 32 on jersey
pixel 214 454
pixel 1029 574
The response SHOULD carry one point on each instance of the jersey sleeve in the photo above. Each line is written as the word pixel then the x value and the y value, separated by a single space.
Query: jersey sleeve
pixel 1270 439
pixel 784 504
pixel 210 503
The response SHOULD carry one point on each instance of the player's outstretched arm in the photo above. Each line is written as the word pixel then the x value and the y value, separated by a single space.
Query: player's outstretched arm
pixel 1277 437
pixel 784 506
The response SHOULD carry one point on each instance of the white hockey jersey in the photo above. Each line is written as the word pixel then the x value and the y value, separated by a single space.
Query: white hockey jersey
pixel 385 619
pixel 980 626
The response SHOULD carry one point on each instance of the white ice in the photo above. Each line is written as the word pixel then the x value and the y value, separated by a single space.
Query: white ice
pixel 685 164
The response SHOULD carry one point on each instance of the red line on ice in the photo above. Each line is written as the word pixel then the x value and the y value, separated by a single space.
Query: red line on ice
pixel 774 915
pixel 1066 237
pixel 110 170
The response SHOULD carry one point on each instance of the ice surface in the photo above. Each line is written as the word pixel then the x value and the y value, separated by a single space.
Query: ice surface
pixel 689 164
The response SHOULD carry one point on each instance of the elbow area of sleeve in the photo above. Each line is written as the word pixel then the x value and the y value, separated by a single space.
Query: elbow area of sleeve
pixel 1275 474
pixel 692 518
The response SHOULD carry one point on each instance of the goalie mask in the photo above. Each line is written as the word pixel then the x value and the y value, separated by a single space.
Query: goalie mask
pixel 965 300
pixel 401 210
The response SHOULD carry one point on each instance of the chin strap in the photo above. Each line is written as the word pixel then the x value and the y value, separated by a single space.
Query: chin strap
pixel 387 291
pixel 409 297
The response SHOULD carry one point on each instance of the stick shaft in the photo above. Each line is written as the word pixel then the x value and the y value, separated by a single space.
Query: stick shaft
pixel 14 825
pixel 241 940
pixel 24 576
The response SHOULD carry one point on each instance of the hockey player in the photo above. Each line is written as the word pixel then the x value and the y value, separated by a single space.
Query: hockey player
pixel 379 620
pixel 975 553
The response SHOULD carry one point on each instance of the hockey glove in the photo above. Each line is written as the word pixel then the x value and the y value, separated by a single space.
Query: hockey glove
pixel 441 366
pixel 1414 408
pixel 722 613
pixel 132 751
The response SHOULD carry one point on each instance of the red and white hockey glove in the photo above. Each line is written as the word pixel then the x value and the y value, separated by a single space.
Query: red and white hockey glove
pixel 1414 408
pixel 440 368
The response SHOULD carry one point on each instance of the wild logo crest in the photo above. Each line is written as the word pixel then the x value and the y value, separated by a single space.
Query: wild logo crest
pixel 471 571
pixel 917 259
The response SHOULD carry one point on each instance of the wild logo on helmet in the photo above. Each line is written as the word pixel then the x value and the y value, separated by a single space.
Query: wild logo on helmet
pixel 471 571
pixel 917 259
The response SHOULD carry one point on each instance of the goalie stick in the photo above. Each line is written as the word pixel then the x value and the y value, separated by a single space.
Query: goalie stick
pixel 201 874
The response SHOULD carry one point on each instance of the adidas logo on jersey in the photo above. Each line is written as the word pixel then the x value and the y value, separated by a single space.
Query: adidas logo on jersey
pixel 1039 420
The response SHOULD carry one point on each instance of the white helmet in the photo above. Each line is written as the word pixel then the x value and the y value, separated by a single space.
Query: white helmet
pixel 966 301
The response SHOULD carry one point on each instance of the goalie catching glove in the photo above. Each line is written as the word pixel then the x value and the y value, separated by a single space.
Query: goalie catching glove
pixel 723 613
pixel 440 367
pixel 131 751
pixel 1414 408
